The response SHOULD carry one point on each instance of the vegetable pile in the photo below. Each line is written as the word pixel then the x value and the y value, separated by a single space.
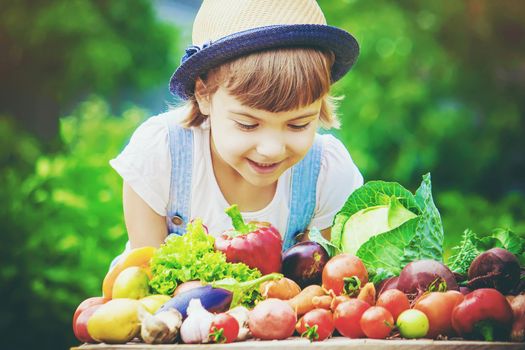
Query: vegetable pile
pixel 383 275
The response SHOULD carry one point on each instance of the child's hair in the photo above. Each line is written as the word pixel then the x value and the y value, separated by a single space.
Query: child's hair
pixel 275 80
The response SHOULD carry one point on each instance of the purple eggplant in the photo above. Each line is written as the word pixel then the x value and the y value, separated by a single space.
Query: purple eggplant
pixel 304 262
pixel 212 299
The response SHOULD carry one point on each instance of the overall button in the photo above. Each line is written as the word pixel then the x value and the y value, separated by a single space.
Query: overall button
pixel 177 220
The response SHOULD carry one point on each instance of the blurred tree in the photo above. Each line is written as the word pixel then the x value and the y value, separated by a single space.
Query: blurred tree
pixel 438 87
pixel 55 52
pixel 61 226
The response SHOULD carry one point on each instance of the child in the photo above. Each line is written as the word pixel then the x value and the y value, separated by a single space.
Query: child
pixel 256 82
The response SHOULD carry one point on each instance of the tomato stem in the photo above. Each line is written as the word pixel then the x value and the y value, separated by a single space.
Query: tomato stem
pixel 351 285
pixel 311 333
pixel 217 335
pixel 486 329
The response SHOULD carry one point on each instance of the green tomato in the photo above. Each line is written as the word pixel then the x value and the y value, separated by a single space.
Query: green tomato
pixel 412 324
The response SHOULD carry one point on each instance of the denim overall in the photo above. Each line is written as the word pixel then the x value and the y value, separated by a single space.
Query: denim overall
pixel 302 195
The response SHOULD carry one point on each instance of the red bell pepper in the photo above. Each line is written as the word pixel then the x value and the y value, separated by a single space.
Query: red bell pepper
pixel 257 244
pixel 484 313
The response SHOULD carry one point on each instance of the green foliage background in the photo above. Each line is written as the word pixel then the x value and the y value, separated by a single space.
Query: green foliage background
pixel 439 87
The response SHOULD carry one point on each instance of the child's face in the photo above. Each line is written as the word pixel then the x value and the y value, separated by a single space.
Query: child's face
pixel 260 145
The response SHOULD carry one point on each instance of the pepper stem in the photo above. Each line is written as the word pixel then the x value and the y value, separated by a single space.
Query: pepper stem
pixel 237 221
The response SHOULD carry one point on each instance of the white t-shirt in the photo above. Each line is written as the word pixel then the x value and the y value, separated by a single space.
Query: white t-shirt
pixel 145 165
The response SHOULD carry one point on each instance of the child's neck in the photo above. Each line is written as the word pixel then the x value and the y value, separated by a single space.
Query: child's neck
pixel 236 190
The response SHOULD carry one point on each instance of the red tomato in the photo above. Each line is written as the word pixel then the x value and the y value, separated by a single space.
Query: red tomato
pixel 317 324
pixel 224 329
pixel 394 301
pixel 347 316
pixel 340 267
pixel 438 306
pixel 377 322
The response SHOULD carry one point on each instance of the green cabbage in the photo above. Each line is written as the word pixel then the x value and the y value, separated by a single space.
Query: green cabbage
pixel 387 227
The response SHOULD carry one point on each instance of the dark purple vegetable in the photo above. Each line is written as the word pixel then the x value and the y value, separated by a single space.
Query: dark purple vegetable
pixel 496 268
pixel 212 299
pixel 420 276
pixel 520 287
pixel 386 284
pixel 304 262
pixel 459 277
pixel 464 290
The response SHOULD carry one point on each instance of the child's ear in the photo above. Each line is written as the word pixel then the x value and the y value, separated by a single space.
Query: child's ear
pixel 202 96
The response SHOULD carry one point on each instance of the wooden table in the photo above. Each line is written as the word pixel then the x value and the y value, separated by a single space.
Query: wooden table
pixel 337 343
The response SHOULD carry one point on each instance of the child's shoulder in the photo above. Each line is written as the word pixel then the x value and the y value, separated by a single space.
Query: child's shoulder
pixel 333 148
pixel 159 125
pixel 337 164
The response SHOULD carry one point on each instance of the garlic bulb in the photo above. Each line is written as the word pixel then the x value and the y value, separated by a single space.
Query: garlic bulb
pixel 240 313
pixel 161 328
pixel 196 327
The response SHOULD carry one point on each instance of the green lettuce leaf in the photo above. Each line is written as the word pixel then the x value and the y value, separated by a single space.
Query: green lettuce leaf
pixel 192 256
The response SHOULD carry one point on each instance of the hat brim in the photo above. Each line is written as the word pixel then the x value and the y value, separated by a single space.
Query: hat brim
pixel 341 43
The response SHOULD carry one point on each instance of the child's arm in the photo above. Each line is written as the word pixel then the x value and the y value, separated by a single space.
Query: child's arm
pixel 145 227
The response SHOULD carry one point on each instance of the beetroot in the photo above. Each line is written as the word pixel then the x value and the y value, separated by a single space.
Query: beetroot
pixel 386 284
pixel 419 276
pixel 496 268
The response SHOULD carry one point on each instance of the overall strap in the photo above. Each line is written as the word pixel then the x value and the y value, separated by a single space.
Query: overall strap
pixel 303 193
pixel 181 150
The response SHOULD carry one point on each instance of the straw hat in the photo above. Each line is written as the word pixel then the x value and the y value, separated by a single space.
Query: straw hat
pixel 226 29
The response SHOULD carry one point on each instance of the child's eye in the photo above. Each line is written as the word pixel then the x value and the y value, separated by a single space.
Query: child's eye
pixel 246 126
pixel 298 127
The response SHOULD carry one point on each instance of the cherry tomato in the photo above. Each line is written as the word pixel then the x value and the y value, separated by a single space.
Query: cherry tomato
pixel 438 307
pixel 394 301
pixel 341 268
pixel 412 324
pixel 316 325
pixel 224 329
pixel 347 316
pixel 377 322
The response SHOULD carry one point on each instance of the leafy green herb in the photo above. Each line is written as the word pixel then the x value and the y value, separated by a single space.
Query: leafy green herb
pixel 471 246
pixel 464 253
pixel 192 256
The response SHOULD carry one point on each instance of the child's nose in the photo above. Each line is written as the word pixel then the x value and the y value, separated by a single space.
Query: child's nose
pixel 271 149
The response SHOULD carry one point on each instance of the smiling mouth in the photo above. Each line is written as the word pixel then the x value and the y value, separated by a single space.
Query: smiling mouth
pixel 263 168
